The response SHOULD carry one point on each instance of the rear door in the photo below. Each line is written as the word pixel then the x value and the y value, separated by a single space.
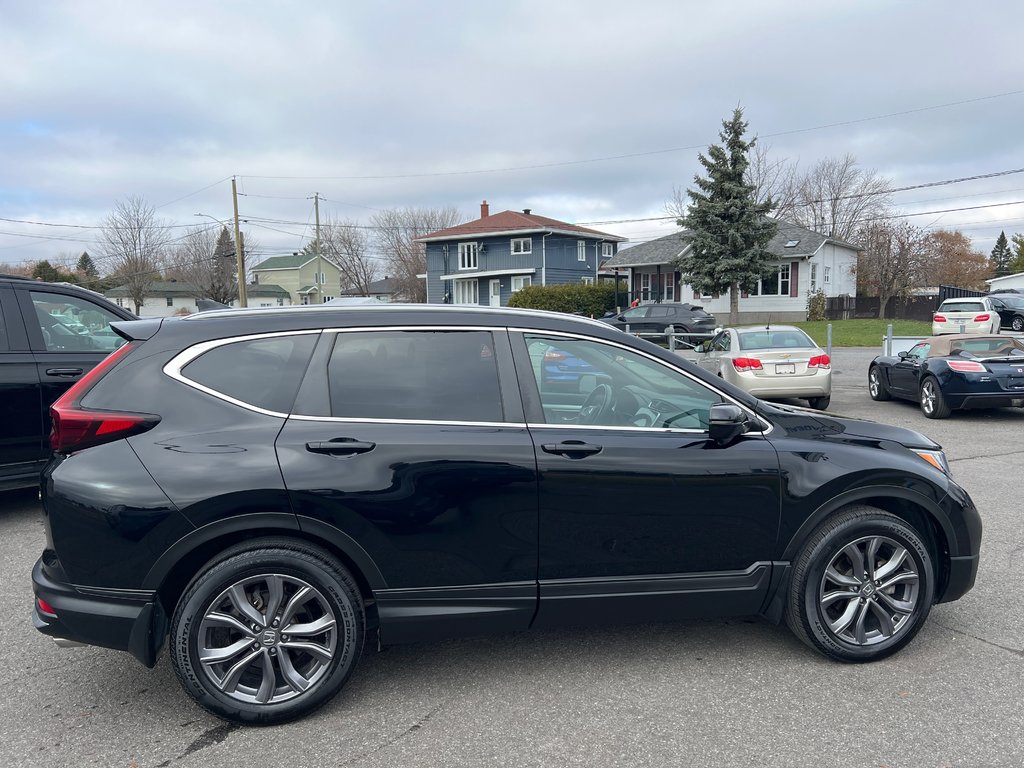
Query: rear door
pixel 411 443
pixel 21 441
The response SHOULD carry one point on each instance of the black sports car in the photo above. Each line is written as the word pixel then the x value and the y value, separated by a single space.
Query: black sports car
pixel 946 373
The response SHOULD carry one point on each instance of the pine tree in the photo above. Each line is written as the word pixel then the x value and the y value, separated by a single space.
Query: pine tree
pixel 1016 264
pixel 86 266
pixel 1001 256
pixel 729 229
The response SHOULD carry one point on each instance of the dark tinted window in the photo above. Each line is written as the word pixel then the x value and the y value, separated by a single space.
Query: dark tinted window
pixel 416 375
pixel 261 372
pixel 73 324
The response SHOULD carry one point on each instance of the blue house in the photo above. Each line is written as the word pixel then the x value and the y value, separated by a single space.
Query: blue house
pixel 487 260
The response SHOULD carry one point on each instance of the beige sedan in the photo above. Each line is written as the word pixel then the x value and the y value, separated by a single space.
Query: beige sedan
pixel 776 361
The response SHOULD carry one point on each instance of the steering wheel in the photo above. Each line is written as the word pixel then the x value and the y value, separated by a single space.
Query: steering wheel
pixel 599 406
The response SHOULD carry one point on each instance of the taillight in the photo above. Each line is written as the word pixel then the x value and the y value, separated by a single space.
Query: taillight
pixel 820 361
pixel 74 427
pixel 939 318
pixel 966 366
pixel 982 318
pixel 45 608
pixel 746 364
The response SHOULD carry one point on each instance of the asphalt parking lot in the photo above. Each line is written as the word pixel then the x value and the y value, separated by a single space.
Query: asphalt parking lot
pixel 730 693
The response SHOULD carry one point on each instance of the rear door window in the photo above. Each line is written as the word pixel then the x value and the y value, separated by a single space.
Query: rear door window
pixel 74 324
pixel 263 372
pixel 415 376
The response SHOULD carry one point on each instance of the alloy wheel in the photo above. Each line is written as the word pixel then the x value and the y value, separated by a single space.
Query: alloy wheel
pixel 874 385
pixel 869 591
pixel 928 397
pixel 267 638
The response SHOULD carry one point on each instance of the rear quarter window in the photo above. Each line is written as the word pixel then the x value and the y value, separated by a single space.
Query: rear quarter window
pixel 261 372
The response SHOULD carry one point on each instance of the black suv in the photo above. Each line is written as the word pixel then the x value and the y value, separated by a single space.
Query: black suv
pixel 664 318
pixel 50 335
pixel 273 490
pixel 1010 307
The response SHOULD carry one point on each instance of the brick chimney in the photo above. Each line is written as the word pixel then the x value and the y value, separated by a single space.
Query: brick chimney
pixel 485 210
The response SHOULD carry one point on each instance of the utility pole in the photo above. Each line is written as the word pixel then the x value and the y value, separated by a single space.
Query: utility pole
pixel 319 264
pixel 239 256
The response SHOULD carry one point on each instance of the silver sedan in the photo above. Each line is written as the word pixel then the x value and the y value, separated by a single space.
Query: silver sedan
pixel 776 361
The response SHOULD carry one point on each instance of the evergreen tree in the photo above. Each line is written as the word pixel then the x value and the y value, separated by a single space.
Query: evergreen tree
pixel 729 229
pixel 44 270
pixel 1001 256
pixel 86 266
pixel 1016 264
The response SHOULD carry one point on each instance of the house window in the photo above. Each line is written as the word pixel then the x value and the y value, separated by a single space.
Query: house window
pixel 467 291
pixel 791 244
pixel 120 302
pixel 814 277
pixel 587 280
pixel 522 246
pixel 670 287
pixel 170 301
pixel 326 299
pixel 828 275
pixel 581 250
pixel 520 281
pixel 607 250
pixel 468 256
pixel 645 286
pixel 776 285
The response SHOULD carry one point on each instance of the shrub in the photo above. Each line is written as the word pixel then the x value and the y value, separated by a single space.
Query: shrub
pixel 578 298
pixel 816 305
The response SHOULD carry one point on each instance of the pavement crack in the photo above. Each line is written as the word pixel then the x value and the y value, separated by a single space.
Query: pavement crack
pixel 420 723
pixel 1014 651
pixel 985 456
pixel 208 738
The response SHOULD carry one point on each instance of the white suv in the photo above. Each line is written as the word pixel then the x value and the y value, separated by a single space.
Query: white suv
pixel 967 315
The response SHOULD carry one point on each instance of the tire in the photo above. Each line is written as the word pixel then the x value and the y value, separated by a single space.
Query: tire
pixel 852 607
pixel 263 675
pixel 877 388
pixel 1017 323
pixel 933 404
pixel 819 403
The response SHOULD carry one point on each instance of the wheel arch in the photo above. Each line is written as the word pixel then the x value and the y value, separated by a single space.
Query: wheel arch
pixel 171 574
pixel 920 512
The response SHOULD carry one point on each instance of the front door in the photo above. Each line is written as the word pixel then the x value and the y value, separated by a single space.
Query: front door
pixel 495 293
pixel 905 376
pixel 639 513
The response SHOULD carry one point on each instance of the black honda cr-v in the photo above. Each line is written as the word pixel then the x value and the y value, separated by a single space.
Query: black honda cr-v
pixel 267 492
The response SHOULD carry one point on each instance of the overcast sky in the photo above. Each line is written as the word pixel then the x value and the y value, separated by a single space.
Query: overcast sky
pixel 587 111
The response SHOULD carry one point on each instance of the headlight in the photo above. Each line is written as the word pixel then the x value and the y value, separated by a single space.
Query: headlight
pixel 936 458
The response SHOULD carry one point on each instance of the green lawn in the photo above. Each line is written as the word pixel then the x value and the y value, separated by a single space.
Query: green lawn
pixel 862 333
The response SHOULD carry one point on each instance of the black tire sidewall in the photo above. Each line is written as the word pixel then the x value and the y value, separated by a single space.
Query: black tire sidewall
pixel 336 586
pixel 822 554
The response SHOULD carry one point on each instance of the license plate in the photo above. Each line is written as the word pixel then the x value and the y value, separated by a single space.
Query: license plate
pixel 785 368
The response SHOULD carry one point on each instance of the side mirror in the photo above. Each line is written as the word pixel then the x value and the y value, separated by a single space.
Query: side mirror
pixel 726 422
pixel 903 354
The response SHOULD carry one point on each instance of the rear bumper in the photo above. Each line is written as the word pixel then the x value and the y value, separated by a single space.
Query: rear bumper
pixel 125 620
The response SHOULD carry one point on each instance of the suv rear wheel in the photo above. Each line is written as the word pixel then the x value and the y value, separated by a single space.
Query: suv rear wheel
pixel 862 586
pixel 268 632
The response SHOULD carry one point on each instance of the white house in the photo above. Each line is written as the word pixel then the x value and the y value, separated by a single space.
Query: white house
pixel 1007 281
pixel 807 262
pixel 165 298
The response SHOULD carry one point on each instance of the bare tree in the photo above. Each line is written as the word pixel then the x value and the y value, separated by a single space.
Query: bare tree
pixel 893 260
pixel 836 197
pixel 205 260
pixel 348 245
pixel 396 231
pixel 134 242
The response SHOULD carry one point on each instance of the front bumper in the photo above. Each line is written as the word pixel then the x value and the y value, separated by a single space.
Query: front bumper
pixel 125 620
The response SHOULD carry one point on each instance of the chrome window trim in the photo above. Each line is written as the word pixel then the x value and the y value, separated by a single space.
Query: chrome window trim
pixel 767 425
pixel 173 366
pixel 423 422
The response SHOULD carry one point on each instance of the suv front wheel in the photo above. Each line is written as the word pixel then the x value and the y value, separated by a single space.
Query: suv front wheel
pixel 861 587
pixel 268 632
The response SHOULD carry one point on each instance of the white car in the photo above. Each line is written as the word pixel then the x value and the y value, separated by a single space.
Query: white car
pixel 770 361
pixel 968 315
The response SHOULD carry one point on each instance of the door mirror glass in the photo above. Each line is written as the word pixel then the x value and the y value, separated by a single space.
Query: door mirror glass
pixel 726 423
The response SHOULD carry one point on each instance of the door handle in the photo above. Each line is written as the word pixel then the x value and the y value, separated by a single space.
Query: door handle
pixel 572 449
pixel 340 446
pixel 68 372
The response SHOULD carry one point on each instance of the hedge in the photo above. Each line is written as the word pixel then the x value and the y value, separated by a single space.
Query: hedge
pixel 577 298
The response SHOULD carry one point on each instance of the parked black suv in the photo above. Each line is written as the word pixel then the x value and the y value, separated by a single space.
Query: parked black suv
pixel 275 489
pixel 50 335
pixel 1010 307
pixel 664 318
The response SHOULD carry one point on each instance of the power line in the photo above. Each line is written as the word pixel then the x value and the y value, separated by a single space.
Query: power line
pixel 634 154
